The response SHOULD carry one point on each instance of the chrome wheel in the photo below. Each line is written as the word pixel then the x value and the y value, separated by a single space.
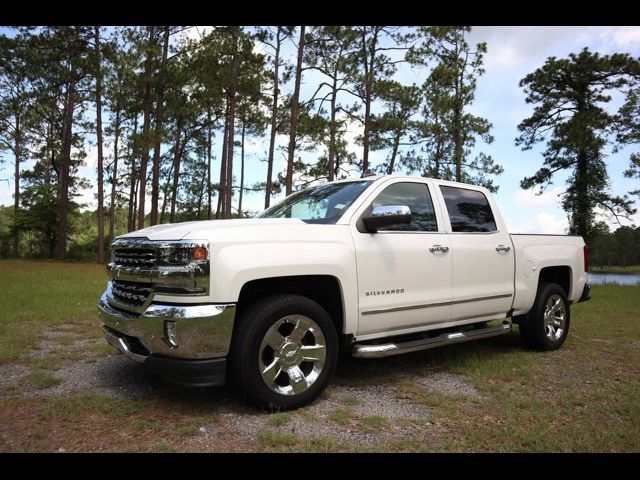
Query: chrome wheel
pixel 555 315
pixel 292 355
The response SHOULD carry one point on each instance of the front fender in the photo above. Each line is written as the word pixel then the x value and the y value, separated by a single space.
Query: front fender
pixel 234 265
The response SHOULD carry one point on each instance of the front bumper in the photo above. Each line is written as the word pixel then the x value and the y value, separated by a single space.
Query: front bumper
pixel 187 344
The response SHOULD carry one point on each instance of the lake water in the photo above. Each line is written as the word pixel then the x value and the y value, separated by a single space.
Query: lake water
pixel 614 278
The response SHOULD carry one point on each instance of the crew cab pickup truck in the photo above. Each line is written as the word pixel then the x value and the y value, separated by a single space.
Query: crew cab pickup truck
pixel 376 266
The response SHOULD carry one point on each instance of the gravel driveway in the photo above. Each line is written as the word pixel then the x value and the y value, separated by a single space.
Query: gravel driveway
pixel 356 409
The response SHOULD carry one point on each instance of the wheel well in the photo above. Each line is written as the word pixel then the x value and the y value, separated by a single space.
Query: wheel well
pixel 559 275
pixel 323 289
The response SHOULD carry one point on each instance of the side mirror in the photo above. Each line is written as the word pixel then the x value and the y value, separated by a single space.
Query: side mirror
pixel 387 216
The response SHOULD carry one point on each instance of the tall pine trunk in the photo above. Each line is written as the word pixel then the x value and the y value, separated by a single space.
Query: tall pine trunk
pixel 155 176
pixel 274 119
pixel 457 120
pixel 209 164
pixel 142 188
pixel 457 141
pixel 223 167
pixel 99 141
pixel 581 220
pixel 241 169
pixel 232 112
pixel 369 64
pixel 16 177
pixel 294 114
pixel 177 158
pixel 114 176
pixel 332 129
pixel 394 154
pixel 131 223
pixel 64 170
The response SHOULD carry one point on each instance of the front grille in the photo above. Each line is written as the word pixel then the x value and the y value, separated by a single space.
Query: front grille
pixel 131 293
pixel 135 256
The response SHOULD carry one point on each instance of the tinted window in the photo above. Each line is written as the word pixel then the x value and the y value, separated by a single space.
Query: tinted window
pixel 469 210
pixel 416 197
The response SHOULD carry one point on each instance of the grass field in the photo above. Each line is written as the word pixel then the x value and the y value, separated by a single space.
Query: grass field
pixel 582 398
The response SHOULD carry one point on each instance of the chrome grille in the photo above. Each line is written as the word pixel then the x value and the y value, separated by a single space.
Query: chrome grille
pixel 130 293
pixel 134 256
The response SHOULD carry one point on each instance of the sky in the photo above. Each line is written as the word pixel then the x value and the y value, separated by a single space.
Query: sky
pixel 513 52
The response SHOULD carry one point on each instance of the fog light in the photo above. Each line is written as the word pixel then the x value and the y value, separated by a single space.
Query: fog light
pixel 170 333
pixel 199 253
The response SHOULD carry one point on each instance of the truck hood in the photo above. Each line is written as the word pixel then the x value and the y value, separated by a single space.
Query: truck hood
pixel 178 231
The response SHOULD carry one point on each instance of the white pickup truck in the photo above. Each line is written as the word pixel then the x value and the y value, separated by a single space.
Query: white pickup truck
pixel 378 266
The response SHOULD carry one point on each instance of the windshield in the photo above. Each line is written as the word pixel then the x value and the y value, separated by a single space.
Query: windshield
pixel 322 204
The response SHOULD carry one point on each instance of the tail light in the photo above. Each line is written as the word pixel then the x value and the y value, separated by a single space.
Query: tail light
pixel 586 258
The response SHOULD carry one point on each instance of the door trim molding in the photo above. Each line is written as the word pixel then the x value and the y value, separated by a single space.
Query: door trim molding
pixel 437 304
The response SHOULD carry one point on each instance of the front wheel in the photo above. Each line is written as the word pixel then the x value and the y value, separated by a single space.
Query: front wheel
pixel 283 352
pixel 547 323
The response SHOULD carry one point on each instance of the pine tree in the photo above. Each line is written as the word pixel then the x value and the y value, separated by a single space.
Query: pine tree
pixel 570 116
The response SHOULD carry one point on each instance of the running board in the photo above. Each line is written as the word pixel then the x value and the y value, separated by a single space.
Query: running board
pixel 388 349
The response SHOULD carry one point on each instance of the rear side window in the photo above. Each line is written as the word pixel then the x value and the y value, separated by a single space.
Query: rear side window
pixel 469 210
pixel 416 197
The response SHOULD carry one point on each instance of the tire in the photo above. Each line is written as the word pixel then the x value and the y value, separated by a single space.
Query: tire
pixel 550 332
pixel 283 336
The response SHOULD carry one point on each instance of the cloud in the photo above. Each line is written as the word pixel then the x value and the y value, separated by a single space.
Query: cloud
pixel 541 222
pixel 627 37
pixel 505 55
pixel 528 198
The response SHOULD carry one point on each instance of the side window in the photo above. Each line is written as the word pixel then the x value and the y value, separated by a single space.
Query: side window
pixel 416 197
pixel 469 210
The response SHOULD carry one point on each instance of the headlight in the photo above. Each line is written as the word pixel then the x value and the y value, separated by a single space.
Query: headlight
pixel 182 268
pixel 176 254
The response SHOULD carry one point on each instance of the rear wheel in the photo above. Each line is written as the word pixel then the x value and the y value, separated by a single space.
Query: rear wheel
pixel 547 324
pixel 283 352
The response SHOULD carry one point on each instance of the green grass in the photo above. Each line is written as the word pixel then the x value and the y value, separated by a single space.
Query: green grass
pixel 351 400
pixel 277 441
pixel 36 295
pixel 279 419
pixel 318 445
pixel 375 422
pixel 76 407
pixel 41 380
pixel 583 398
pixel 341 416
pixel 615 269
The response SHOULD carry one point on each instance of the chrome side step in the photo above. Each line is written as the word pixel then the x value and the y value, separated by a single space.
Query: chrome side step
pixel 388 349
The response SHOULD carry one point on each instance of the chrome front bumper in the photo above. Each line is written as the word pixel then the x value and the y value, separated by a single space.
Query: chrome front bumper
pixel 187 332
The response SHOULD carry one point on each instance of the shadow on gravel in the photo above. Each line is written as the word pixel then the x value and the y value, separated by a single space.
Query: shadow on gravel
pixel 119 376
pixel 354 371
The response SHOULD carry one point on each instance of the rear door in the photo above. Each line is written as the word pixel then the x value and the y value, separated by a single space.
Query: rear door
pixel 482 255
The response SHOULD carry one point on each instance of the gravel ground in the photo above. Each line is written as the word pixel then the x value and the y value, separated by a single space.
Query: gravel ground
pixel 367 415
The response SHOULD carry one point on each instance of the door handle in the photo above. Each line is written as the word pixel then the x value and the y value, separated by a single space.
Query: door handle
pixel 438 248
pixel 502 248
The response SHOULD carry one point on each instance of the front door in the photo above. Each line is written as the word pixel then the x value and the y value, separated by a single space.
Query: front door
pixel 404 274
